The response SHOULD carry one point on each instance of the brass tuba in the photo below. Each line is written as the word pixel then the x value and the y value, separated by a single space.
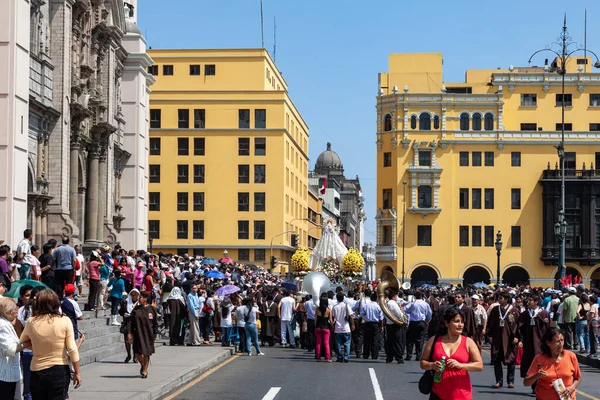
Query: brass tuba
pixel 390 283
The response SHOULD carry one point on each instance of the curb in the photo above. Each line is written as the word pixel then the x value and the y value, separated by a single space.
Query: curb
pixel 164 388
pixel 592 362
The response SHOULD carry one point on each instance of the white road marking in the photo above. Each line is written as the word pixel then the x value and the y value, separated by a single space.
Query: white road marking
pixel 376 388
pixel 271 393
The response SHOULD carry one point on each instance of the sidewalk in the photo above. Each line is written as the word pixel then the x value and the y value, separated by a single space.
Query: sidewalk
pixel 170 368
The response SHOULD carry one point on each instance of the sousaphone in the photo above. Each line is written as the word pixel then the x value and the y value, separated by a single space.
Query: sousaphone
pixel 388 282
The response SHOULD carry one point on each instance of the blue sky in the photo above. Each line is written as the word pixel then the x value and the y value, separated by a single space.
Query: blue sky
pixel 330 51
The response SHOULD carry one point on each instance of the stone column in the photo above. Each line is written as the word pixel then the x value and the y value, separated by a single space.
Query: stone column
pixel 39 235
pixel 92 195
pixel 39 173
pixel 44 222
pixel 101 196
pixel 74 179
pixel 81 212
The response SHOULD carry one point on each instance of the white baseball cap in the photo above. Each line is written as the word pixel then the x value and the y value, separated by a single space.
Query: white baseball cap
pixel 475 297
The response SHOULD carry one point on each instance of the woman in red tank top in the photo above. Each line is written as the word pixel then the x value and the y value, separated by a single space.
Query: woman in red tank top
pixel 462 356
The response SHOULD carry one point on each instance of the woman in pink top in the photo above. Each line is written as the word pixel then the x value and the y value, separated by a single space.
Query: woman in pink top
pixel 462 355
pixel 138 275
pixel 93 280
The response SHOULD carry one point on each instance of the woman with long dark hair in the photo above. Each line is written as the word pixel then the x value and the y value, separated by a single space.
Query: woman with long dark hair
pixel 461 355
pixel 51 336
pixel 250 316
pixel 323 322
pixel 93 280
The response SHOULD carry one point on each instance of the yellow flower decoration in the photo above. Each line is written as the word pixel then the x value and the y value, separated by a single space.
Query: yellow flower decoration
pixel 301 261
pixel 353 263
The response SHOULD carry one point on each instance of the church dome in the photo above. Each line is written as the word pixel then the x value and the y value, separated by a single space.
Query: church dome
pixel 328 161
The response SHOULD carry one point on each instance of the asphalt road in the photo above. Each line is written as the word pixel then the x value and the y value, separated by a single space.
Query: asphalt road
pixel 292 374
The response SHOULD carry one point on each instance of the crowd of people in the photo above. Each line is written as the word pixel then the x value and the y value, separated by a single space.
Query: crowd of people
pixel 195 303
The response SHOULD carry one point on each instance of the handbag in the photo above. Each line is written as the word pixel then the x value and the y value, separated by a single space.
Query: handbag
pixel 426 381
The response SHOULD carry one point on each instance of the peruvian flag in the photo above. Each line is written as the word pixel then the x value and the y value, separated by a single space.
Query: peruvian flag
pixel 323 188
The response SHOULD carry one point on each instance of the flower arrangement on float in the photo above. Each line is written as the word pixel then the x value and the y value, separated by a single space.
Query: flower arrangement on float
pixel 330 267
pixel 354 263
pixel 301 262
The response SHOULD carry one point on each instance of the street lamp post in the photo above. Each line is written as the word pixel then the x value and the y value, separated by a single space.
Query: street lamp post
pixel 565 52
pixel 403 225
pixel 151 239
pixel 498 252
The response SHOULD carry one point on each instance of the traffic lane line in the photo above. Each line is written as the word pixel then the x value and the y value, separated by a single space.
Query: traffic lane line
pixel 584 394
pixel 375 382
pixel 200 378
pixel 271 393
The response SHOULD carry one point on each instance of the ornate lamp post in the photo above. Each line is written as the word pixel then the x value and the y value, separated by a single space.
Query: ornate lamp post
pixel 403 225
pixel 498 252
pixel 563 49
pixel 151 239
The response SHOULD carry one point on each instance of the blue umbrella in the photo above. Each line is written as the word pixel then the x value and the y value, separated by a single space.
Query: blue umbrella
pixel 215 274
pixel 427 286
pixel 480 285
pixel 289 285
pixel 210 261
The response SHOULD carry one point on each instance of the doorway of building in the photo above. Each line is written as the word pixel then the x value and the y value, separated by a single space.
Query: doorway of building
pixel 423 274
pixel 476 274
pixel 515 276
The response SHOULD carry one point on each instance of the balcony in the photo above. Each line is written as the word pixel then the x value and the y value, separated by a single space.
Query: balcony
pixel 571 174
pixel 386 253
pixel 583 256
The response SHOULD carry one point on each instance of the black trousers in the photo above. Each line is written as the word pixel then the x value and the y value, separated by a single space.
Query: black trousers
pixel 310 334
pixel 593 342
pixel 356 345
pixel 242 345
pixel 94 290
pixel 371 340
pixel 7 390
pixel 498 372
pixel 414 337
pixel 50 383
pixel 395 340
pixel 62 277
pixel 570 336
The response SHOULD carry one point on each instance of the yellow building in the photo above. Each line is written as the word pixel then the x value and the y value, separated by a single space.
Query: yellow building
pixel 315 216
pixel 478 157
pixel 228 161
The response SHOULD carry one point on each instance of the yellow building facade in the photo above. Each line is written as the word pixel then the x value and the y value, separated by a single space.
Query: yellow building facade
pixel 466 160
pixel 228 157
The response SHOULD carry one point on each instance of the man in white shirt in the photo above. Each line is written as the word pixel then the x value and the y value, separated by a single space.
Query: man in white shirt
pixel 395 335
pixel 24 255
pixel 285 311
pixel 343 319
pixel 79 272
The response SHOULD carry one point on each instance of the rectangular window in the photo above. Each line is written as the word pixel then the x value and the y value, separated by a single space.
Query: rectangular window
pixel 529 127
pixel 243 228
pixel 198 201
pixel 464 199
pixel 243 201
pixel 387 199
pixel 476 236
pixel 183 117
pixel 198 229
pixel 260 119
pixel 568 100
pixel 568 127
pixel 259 255
pixel 199 119
pixel 182 229
pixel 259 201
pixel 244 254
pixel 210 69
pixel 464 159
pixel 424 158
pixel 260 146
pixel 199 146
pixel 476 159
pixel 194 70
pixel 182 173
pixel 182 201
pixel 528 100
pixel 154 201
pixel 387 235
pixel 155 118
pixel 594 100
pixel 199 173
pixel 570 160
pixel 387 159
pixel 198 252
pixel 243 146
pixel 515 199
pixel 244 119
pixel 183 146
pixel 259 230
pixel 464 235
pixel 595 127
pixel 489 236
pixel 154 229
pixel 243 173
pixel 515 159
pixel 476 199
pixel 260 173
pixel 167 70
pixel 489 199
pixel 153 70
pixel 489 159
pixel 154 173
pixel 155 146
pixel 424 235
pixel 515 236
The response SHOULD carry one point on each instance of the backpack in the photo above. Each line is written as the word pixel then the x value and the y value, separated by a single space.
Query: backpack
pixel 207 310
pixel 77 265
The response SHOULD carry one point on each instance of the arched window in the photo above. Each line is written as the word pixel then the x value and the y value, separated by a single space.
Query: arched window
pixel 413 122
pixel 436 122
pixel 476 122
pixel 464 122
pixel 424 196
pixel 489 122
pixel 387 123
pixel 425 122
